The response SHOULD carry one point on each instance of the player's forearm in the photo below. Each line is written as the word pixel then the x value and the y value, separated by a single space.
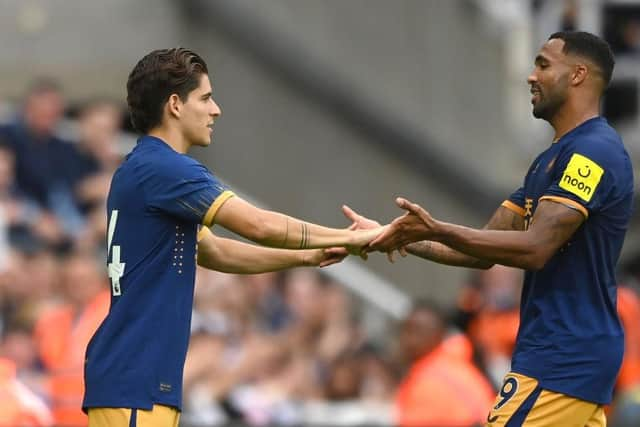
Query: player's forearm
pixel 230 256
pixel 512 248
pixel 303 235
pixel 282 231
pixel 442 254
pixel 502 219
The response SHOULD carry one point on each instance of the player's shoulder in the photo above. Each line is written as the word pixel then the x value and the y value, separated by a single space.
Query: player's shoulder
pixel 596 132
pixel 600 142
pixel 597 151
pixel 153 156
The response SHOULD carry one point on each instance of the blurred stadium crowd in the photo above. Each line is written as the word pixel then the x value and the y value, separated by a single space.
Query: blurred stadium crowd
pixel 272 349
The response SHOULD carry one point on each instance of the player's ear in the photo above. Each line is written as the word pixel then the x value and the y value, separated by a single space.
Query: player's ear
pixel 579 74
pixel 174 105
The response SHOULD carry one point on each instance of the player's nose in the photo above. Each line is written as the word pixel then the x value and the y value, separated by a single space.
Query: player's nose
pixel 215 109
pixel 532 78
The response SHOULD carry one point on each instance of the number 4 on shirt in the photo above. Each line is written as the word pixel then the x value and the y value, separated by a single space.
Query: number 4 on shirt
pixel 115 267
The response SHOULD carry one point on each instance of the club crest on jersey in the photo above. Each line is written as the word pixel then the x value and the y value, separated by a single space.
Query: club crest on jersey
pixel 581 177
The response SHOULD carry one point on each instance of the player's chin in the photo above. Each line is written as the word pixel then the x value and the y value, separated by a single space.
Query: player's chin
pixel 538 110
pixel 204 141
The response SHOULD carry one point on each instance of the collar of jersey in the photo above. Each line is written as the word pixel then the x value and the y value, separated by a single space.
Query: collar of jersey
pixel 579 127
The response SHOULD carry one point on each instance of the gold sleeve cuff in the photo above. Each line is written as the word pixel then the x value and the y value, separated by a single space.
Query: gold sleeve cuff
pixel 569 203
pixel 513 207
pixel 204 230
pixel 213 209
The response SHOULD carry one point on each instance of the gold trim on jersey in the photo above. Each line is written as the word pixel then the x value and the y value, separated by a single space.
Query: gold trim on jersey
pixel 204 230
pixel 217 203
pixel 513 207
pixel 567 202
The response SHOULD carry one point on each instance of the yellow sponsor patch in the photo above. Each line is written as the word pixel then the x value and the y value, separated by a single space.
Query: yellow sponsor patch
pixel 581 177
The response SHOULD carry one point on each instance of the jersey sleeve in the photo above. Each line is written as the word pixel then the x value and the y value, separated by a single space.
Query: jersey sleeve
pixel 515 202
pixel 581 180
pixel 188 191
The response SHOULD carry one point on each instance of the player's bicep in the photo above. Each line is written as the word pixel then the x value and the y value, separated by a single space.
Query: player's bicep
pixel 506 218
pixel 553 224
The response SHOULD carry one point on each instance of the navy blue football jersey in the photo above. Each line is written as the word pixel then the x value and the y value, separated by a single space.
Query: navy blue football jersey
pixel 158 198
pixel 570 338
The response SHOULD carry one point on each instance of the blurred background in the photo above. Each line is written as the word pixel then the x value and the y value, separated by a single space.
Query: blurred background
pixel 324 102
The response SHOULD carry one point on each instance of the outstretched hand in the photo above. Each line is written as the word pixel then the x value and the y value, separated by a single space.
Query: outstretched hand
pixel 361 239
pixel 325 257
pixel 361 222
pixel 415 225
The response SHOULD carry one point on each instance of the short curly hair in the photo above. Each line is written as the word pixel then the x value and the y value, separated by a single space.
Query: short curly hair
pixel 157 76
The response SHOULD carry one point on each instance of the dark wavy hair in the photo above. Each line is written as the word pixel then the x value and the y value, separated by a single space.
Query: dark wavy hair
pixel 157 76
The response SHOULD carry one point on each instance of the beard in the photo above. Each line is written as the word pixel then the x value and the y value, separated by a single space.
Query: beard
pixel 550 101
pixel 547 107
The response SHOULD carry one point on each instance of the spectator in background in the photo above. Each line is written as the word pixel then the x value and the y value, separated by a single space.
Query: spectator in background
pixel 629 312
pixel 442 387
pixel 570 15
pixel 22 222
pixel 624 33
pixel 344 378
pixel 357 391
pixel 322 326
pixel 626 409
pixel 21 379
pixel 362 375
pixel 267 293
pixel 63 332
pixel 489 312
pixel 28 287
pixel 235 368
pixel 10 283
pixel 265 346
pixel 19 406
pixel 8 203
pixel 258 370
pixel 341 332
pixel 98 156
pixel 41 157
pixel 214 347
pixel 18 347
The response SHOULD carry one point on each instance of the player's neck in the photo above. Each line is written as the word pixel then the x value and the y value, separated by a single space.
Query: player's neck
pixel 171 137
pixel 570 117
